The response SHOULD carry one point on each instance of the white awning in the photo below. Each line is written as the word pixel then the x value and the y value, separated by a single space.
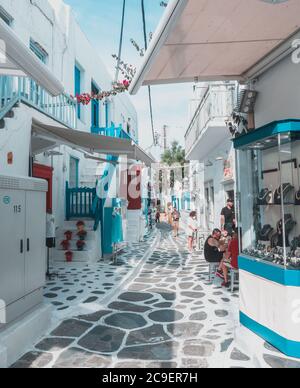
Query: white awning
pixel 17 59
pixel 207 40
pixel 46 136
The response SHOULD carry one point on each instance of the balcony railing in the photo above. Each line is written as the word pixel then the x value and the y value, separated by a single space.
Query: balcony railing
pixel 117 132
pixel 14 89
pixel 217 105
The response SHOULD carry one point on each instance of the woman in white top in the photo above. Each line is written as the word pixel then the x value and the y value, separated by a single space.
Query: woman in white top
pixel 192 228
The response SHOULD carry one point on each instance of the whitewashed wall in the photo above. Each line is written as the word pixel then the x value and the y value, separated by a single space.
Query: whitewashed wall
pixel 52 24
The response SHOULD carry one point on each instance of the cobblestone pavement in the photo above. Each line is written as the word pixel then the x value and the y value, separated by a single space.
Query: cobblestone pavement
pixel 82 284
pixel 167 316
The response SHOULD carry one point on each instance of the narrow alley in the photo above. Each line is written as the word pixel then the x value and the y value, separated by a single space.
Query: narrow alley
pixel 167 315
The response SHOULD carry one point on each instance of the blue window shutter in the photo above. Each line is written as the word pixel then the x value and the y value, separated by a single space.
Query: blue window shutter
pixel 78 88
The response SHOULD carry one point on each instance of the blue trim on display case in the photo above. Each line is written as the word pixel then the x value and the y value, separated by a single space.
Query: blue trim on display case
pixel 274 273
pixel 288 347
pixel 274 128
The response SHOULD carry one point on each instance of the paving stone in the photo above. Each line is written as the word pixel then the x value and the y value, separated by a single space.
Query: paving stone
pixel 95 317
pixel 33 360
pixel 166 316
pixel 185 330
pixel 102 339
pixel 192 363
pixel 281 363
pixel 92 299
pixel 198 348
pixel 163 351
pixel 193 295
pixel 71 328
pixel 78 358
pixel 221 313
pixel 126 321
pixel 123 306
pixel 153 334
pixel 128 365
pixel 202 316
pixel 161 365
pixel 237 355
pixel 225 345
pixel 53 344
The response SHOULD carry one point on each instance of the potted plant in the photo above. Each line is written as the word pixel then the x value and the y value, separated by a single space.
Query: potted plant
pixel 82 234
pixel 65 245
pixel 68 235
pixel 80 225
pixel 69 256
pixel 80 245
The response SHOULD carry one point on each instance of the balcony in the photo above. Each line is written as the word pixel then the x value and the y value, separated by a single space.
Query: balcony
pixel 208 129
pixel 116 132
pixel 20 89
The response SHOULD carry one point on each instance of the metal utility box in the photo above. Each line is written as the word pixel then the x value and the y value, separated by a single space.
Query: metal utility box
pixel 22 245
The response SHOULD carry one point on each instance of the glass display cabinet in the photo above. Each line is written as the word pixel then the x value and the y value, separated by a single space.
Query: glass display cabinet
pixel 268 171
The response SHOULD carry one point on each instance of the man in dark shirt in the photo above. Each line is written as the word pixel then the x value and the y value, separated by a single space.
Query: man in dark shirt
pixel 228 221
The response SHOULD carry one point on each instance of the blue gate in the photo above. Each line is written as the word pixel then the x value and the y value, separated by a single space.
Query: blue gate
pixel 79 202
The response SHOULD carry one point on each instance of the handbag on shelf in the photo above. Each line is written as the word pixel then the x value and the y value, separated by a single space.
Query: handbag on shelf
pixel 283 192
pixel 265 197
pixel 265 233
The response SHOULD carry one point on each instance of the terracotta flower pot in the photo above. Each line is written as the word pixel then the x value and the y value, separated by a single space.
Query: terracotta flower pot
pixel 69 256
pixel 68 235
pixel 80 245
pixel 65 245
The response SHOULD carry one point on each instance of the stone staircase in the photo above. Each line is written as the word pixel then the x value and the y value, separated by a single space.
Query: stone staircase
pixel 92 250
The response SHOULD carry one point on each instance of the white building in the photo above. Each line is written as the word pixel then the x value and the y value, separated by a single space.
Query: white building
pixel 49 137
pixel 210 149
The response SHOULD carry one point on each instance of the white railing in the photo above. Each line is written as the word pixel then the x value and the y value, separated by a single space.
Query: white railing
pixel 14 89
pixel 217 104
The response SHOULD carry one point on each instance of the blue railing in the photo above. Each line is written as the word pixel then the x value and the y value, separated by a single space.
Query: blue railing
pixel 79 202
pixel 14 89
pixel 117 132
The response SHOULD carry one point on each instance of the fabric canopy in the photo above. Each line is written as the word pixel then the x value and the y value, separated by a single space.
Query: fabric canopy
pixel 207 40
pixel 47 136
pixel 17 59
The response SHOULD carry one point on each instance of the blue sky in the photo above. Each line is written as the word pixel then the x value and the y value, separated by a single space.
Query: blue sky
pixel 101 21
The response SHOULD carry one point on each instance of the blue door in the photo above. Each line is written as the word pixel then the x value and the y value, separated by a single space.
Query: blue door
pixel 95 108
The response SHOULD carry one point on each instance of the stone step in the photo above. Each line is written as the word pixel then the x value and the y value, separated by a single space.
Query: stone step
pixel 78 257
pixel 71 225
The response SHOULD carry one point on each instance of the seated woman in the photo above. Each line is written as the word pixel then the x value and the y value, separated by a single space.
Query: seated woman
pixel 231 258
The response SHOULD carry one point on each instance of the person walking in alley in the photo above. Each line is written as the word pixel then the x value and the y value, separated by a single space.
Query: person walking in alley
pixel 176 220
pixel 169 213
pixel 192 230
pixel 228 221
